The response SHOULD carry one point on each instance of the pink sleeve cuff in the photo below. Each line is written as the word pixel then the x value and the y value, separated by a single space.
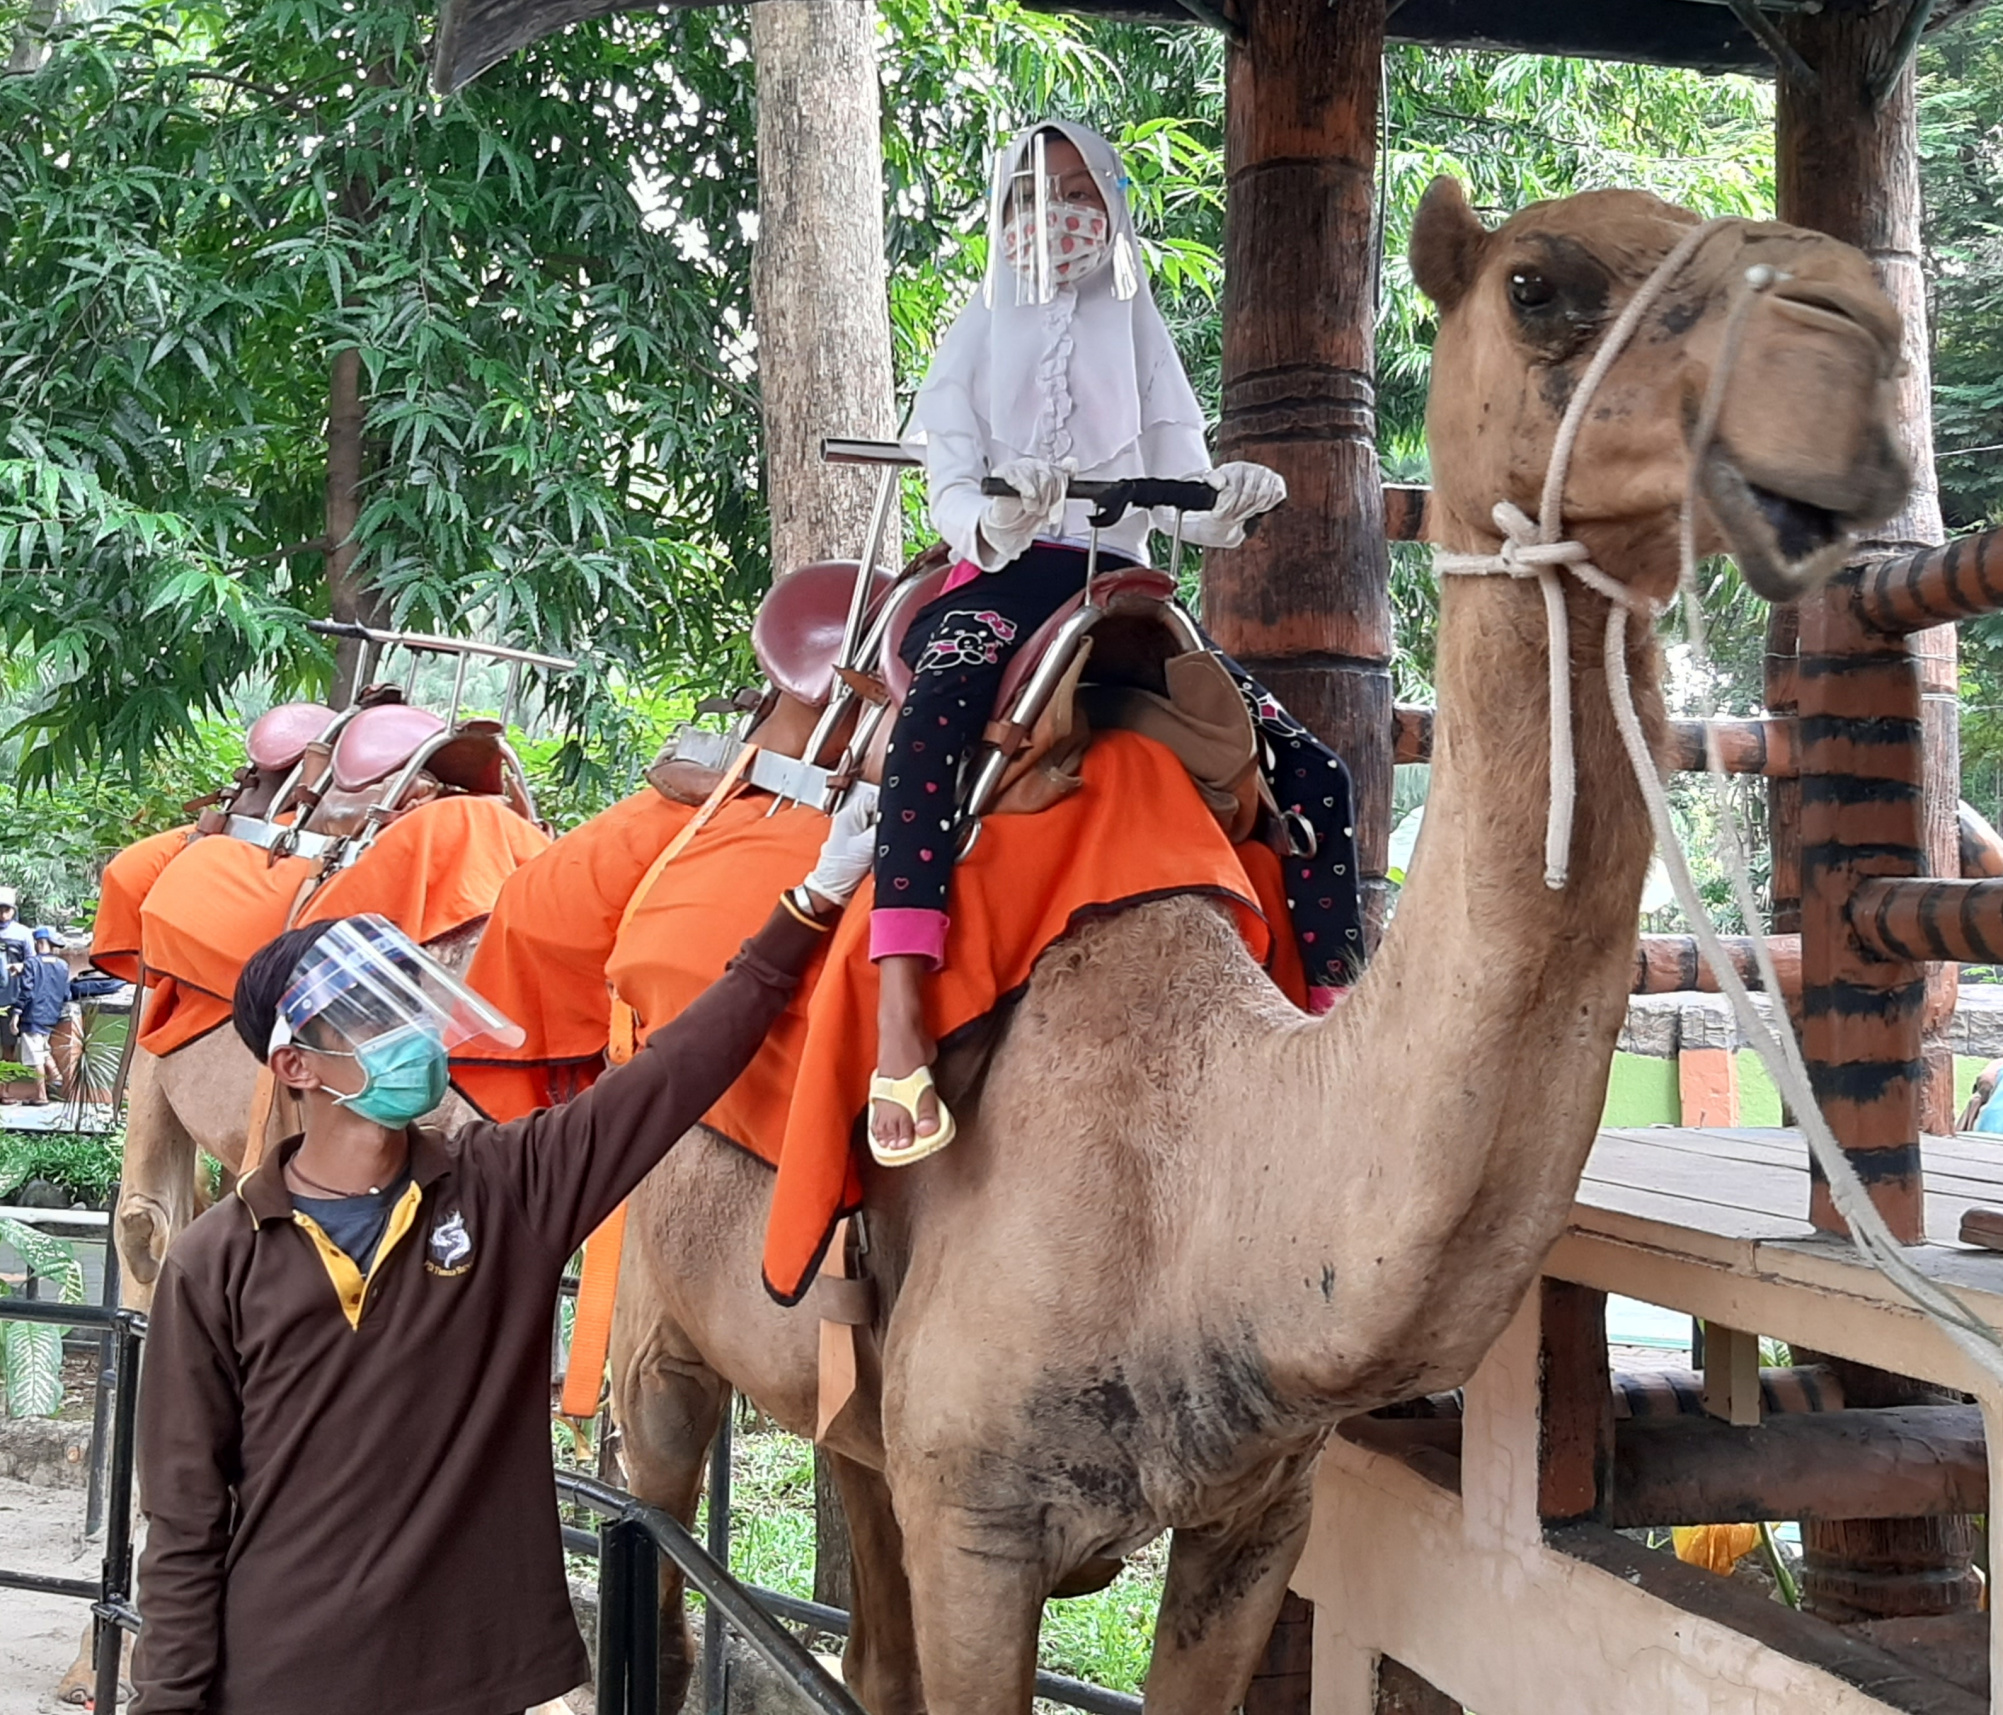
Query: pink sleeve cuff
pixel 905 933
pixel 1322 1001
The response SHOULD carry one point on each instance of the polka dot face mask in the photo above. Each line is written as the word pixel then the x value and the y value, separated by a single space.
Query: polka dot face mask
pixel 1078 237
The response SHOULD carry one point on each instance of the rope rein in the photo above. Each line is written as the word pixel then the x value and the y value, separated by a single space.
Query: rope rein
pixel 1536 549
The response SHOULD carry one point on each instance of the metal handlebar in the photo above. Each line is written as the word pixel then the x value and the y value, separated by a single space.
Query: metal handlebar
pixel 1112 500
pixel 422 640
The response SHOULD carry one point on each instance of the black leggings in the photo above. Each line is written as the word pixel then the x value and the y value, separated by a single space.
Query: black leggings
pixel 958 648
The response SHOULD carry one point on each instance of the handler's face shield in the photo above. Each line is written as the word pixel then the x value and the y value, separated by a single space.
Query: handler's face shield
pixel 365 977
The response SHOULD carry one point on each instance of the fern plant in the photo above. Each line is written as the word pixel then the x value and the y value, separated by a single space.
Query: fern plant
pixel 31 1353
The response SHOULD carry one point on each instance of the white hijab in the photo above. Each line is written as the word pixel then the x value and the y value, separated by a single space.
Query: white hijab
pixel 1085 376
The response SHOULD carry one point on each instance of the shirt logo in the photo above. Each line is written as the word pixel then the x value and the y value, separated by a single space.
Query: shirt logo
pixel 451 1248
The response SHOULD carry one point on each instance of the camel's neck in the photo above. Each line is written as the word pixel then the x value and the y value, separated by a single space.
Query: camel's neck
pixel 1454 1101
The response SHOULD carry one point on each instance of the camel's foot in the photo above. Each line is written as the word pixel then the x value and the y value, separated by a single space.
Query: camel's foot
pixel 79 1685
pixel 144 1232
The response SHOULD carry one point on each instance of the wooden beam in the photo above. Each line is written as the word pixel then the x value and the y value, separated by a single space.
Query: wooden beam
pixel 1305 604
pixel 1767 746
pixel 1405 507
pixel 1915 918
pixel 1744 1608
pixel 1576 1416
pixel 1914 1461
pixel 1934 586
pixel 1672 964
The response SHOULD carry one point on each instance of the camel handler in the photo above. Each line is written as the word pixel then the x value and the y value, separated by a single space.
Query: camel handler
pixel 344 1453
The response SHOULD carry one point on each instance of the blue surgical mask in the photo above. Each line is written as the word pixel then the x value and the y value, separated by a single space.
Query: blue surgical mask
pixel 404 1074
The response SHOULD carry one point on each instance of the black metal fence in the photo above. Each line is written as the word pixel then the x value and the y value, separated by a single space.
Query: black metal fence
pixel 110 1597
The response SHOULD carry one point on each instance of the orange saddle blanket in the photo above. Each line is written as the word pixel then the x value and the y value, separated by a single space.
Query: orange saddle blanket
pixel 1136 831
pixel 542 957
pixel 218 900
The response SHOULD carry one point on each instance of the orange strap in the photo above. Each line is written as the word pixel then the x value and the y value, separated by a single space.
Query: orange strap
pixel 591 1333
pixel 265 1097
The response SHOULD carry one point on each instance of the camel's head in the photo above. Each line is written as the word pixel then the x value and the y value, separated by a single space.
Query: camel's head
pixel 1806 450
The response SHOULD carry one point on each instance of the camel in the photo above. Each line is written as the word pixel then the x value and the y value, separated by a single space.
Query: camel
pixel 1186 1229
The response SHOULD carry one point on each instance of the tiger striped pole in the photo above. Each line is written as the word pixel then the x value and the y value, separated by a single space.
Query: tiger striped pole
pixel 1937 586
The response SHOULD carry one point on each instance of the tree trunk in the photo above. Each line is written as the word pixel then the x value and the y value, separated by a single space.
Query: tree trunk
pixel 821 305
pixel 31 36
pixel 820 296
pixel 347 599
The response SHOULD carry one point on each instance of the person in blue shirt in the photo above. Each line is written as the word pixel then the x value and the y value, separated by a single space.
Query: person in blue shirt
pixel 45 995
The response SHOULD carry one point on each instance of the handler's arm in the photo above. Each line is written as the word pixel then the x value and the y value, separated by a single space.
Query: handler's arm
pixel 190 1426
pixel 574 1164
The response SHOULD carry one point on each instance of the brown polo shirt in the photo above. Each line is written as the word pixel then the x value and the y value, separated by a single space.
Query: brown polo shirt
pixel 346 1478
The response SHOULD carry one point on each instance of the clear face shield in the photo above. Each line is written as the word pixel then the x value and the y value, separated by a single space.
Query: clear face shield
pixel 368 993
pixel 365 976
pixel 1053 221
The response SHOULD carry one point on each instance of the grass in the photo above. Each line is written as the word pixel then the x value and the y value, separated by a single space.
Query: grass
pixel 1103 1638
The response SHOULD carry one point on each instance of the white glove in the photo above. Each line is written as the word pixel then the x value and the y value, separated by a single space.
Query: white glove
pixel 1243 492
pixel 1010 522
pixel 850 848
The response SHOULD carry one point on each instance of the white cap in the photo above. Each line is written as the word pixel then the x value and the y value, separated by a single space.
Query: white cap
pixel 7 896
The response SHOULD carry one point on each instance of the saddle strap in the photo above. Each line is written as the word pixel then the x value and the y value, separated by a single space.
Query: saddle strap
pixel 265 1098
pixel 844 1306
pixel 597 1291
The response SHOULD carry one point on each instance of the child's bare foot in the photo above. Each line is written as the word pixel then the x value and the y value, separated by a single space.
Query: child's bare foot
pixel 902 1046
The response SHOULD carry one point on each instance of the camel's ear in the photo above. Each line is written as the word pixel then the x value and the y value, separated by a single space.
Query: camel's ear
pixel 1446 243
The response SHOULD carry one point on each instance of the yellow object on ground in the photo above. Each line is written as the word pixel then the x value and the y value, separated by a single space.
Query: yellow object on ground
pixel 1715 1547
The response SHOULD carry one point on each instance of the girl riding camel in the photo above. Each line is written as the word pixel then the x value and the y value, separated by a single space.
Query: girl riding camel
pixel 1061 367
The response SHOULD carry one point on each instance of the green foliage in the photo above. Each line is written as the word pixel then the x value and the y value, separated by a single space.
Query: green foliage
pixel 31 1353
pixel 84 1163
pixel 201 206
pixel 1961 154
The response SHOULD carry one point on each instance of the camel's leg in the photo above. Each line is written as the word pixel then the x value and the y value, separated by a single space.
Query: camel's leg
pixel 156 1194
pixel 977 1599
pixel 880 1664
pixel 1224 1591
pixel 667 1403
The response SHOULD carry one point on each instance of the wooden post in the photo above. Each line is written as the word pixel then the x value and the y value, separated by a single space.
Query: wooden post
pixel 1305 604
pixel 1850 167
pixel 1848 164
pixel 1784 795
pixel 1575 1443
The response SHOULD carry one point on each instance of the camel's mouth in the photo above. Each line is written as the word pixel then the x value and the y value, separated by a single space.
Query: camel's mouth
pixel 1785 546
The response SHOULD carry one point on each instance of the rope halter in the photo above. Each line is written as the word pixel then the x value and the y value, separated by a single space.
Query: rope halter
pixel 1536 548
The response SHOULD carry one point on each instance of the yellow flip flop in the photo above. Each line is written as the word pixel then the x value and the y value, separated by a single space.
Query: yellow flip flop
pixel 904 1093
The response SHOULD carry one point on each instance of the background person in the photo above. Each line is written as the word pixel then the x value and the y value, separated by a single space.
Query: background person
pixel 44 998
pixel 344 1453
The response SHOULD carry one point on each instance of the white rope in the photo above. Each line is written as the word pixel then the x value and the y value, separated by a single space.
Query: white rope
pixel 1535 550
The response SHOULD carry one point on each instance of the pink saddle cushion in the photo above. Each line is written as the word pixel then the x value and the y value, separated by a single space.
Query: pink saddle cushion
pixel 1142 581
pixel 279 737
pixel 798 631
pixel 380 740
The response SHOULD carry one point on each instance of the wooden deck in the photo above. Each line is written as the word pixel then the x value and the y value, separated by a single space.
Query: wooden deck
pixel 1698 1218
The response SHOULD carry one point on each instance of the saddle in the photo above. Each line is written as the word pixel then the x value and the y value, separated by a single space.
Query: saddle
pixel 276 741
pixel 1127 658
pixel 359 771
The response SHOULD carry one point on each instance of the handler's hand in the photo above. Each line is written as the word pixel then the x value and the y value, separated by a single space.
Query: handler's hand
pixel 849 849
pixel 1244 490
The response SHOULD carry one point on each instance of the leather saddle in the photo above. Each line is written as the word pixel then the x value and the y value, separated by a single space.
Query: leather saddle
pixel 392 757
pixel 276 741
pixel 1130 659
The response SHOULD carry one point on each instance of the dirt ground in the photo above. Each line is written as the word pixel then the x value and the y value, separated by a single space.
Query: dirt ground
pixel 41 1530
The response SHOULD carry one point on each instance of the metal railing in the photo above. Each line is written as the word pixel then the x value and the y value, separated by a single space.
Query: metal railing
pixel 110 1597
pixel 631 1541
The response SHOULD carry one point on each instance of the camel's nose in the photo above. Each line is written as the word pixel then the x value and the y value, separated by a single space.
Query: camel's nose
pixel 1823 306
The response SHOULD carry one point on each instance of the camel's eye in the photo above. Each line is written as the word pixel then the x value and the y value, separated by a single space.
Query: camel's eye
pixel 1529 290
